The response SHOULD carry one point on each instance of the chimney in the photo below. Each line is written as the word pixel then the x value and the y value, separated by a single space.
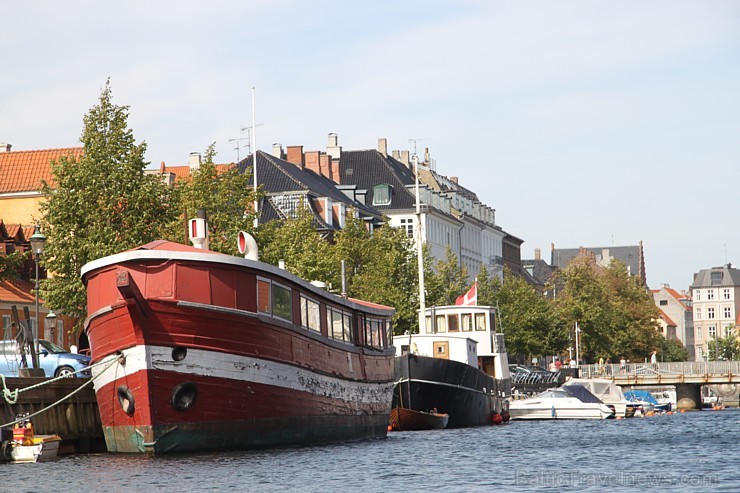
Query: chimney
pixel 295 156
pixel 312 161
pixel 405 158
pixel 334 171
pixel 333 148
pixel 427 159
pixel 453 179
pixel 325 166
pixel 383 146
pixel 277 150
pixel 537 254
pixel 5 147
pixel 397 155
pixel 194 160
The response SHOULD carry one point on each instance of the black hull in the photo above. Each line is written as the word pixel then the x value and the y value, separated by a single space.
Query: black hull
pixel 468 395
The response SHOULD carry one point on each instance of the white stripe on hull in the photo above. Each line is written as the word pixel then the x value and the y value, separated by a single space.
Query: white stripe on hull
pixel 241 368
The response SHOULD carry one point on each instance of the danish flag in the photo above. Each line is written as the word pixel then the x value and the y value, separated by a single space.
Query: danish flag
pixel 470 298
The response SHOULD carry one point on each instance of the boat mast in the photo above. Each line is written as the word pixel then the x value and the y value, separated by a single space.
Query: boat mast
pixel 253 143
pixel 419 250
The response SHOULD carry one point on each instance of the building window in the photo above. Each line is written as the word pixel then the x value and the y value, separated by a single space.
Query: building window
pixel 407 225
pixel 698 334
pixel 728 312
pixel 697 294
pixel 663 302
pixel 710 312
pixel 712 331
pixel 310 314
pixel 382 194
pixel 728 330
pixel 710 294
pixel 726 294
pixel 716 278
pixel 698 313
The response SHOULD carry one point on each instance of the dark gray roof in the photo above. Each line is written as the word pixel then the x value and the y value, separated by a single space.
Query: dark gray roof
pixel 631 256
pixel 369 168
pixel 279 176
pixel 539 270
pixel 725 275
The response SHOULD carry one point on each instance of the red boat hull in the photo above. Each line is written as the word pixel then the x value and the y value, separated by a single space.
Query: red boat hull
pixel 188 367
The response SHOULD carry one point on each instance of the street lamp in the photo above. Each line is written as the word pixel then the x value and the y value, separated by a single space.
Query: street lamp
pixel 38 241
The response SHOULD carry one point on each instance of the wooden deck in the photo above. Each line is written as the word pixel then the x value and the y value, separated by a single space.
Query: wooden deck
pixel 75 419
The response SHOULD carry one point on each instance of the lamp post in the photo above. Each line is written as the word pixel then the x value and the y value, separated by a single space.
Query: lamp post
pixel 38 241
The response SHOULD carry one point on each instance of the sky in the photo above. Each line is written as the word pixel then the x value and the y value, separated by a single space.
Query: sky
pixel 583 123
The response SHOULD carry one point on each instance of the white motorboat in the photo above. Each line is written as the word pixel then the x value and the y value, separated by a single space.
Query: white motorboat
pixel 606 391
pixel 571 402
pixel 42 448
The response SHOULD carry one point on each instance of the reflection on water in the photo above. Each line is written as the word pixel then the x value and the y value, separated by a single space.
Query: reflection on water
pixel 681 452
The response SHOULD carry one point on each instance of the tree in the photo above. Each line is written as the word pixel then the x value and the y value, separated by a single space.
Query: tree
pixel 725 348
pixel 99 204
pixel 526 317
pixel 672 350
pixel 446 281
pixel 226 197
pixel 10 265
pixel 615 313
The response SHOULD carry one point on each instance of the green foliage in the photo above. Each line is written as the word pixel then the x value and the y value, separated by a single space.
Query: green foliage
pixel 298 243
pixel 101 204
pixel 226 196
pixel 725 348
pixel 672 350
pixel 10 265
pixel 527 319
pixel 615 313
pixel 448 280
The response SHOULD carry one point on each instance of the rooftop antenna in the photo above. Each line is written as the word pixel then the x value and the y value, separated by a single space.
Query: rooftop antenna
pixel 414 141
pixel 237 140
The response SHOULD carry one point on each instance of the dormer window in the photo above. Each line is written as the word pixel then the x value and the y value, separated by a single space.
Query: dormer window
pixel 382 194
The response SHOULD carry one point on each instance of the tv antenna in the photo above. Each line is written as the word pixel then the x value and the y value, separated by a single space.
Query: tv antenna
pixel 237 140
pixel 414 141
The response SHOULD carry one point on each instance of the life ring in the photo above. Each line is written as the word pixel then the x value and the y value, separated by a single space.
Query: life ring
pixel 184 396
pixel 126 399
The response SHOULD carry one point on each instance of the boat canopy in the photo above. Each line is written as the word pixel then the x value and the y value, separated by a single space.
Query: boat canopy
pixel 604 389
pixel 581 393
pixel 636 395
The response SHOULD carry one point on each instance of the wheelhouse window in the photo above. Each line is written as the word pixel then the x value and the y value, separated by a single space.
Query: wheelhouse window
pixel 382 194
pixel 466 322
pixel 480 321
pixel 310 317
pixel 441 323
pixel 340 324
pixel 452 323
pixel 274 299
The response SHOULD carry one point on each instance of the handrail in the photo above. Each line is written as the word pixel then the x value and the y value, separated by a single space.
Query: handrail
pixel 672 369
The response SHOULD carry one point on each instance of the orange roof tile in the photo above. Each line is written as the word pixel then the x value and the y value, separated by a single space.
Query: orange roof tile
pixel 183 172
pixel 16 291
pixel 22 171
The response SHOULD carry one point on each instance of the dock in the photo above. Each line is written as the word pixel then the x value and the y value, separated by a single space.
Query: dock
pixel 75 419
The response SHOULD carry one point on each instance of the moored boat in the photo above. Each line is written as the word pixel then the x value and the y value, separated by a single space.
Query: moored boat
pixel 42 448
pixel 403 419
pixel 571 402
pixel 458 366
pixel 209 351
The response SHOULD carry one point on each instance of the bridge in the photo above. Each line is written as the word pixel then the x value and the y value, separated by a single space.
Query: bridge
pixel 687 376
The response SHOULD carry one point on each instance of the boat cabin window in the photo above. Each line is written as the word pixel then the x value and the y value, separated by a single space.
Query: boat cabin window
pixel 467 321
pixel 310 317
pixel 428 324
pixel 374 332
pixel 339 323
pixel 274 299
pixel 441 323
pixel 480 321
pixel 404 349
pixel 452 324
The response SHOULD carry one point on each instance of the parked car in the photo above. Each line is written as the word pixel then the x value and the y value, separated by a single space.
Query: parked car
pixel 54 360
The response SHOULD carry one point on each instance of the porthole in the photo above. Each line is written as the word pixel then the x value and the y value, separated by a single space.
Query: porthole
pixel 179 353
pixel 184 396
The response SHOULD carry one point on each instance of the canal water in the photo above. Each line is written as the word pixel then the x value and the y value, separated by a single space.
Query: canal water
pixel 698 451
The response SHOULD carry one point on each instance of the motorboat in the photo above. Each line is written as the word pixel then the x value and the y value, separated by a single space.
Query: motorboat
pixel 644 401
pixel 571 402
pixel 607 392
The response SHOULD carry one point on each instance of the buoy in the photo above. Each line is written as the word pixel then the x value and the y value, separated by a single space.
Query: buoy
pixel 497 419
pixel 390 427
pixel 619 417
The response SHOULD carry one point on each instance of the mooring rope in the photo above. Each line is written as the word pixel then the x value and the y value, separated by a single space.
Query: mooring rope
pixel 11 396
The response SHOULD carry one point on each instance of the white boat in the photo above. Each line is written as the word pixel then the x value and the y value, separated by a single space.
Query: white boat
pixel 606 391
pixel 43 448
pixel 572 402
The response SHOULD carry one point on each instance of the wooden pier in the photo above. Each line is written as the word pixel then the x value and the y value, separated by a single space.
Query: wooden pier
pixel 75 419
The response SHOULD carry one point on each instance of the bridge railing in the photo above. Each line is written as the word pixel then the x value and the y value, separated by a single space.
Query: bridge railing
pixel 685 368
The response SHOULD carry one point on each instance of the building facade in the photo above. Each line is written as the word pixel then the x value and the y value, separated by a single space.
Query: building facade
pixel 716 306
pixel 677 317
